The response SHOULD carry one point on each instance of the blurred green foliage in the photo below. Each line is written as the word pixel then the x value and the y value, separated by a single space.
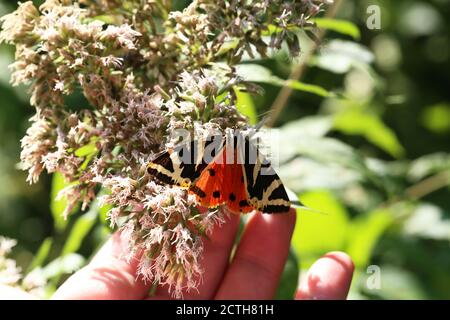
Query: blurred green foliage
pixel 365 143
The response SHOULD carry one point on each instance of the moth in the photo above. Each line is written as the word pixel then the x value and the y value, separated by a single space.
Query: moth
pixel 223 170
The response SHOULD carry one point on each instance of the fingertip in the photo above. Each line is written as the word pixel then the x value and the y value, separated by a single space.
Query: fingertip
pixel 342 258
pixel 329 278
pixel 283 221
pixel 260 257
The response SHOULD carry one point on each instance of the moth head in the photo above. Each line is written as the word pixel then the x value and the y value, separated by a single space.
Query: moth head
pixel 185 183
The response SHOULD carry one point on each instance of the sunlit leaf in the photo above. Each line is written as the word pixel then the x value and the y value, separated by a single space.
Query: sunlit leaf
pixel 81 229
pixel 310 88
pixel 315 233
pixel 273 29
pixel 103 214
pixel 341 26
pixel 58 206
pixel 364 233
pixel 436 118
pixel 86 150
pixel 41 255
pixel 356 121
pixel 228 45
pixel 256 73
pixel 302 174
pixel 245 105
pixel 340 56
pixel 312 126
pixel 325 150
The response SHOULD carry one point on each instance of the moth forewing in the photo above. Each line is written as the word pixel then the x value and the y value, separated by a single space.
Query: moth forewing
pixel 212 147
pixel 264 188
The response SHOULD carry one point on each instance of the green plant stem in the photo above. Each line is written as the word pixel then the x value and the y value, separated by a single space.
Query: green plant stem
pixel 298 71
pixel 428 185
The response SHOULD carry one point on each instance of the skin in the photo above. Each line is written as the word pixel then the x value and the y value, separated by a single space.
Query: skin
pixel 254 272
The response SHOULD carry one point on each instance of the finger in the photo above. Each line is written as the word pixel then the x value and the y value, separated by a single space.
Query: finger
pixel 328 278
pixel 260 258
pixel 214 261
pixel 108 276
pixel 10 293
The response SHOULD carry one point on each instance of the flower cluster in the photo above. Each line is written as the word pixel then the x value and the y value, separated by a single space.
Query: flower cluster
pixel 11 274
pixel 142 70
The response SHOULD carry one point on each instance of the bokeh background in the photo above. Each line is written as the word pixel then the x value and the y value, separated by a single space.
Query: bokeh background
pixel 365 140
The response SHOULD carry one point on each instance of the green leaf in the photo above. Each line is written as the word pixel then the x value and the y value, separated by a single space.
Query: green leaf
pixel 312 126
pixel 289 278
pixel 57 207
pixel 436 118
pixel 340 56
pixel 105 18
pixel 81 229
pixel 273 29
pixel 256 73
pixel 327 150
pixel 41 255
pixel 103 214
pixel 86 150
pixel 228 45
pixel 365 232
pixel 310 88
pixel 316 234
pixel 355 121
pixel 246 106
pixel 344 27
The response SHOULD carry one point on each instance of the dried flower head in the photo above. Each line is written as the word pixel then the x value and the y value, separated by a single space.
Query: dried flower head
pixel 144 71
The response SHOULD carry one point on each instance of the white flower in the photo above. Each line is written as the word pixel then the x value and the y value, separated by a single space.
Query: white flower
pixel 59 86
pixel 124 34
pixel 6 244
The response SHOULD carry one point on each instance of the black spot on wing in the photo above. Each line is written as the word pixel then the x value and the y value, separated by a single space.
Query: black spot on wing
pixel 232 197
pixel 216 194
pixel 212 172
pixel 196 190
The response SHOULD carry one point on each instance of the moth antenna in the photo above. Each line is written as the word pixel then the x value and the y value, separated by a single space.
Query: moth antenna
pixel 265 116
pixel 258 126
pixel 156 155
pixel 299 205
pixel 261 123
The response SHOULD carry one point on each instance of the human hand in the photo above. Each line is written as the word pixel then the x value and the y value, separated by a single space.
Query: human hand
pixel 254 272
